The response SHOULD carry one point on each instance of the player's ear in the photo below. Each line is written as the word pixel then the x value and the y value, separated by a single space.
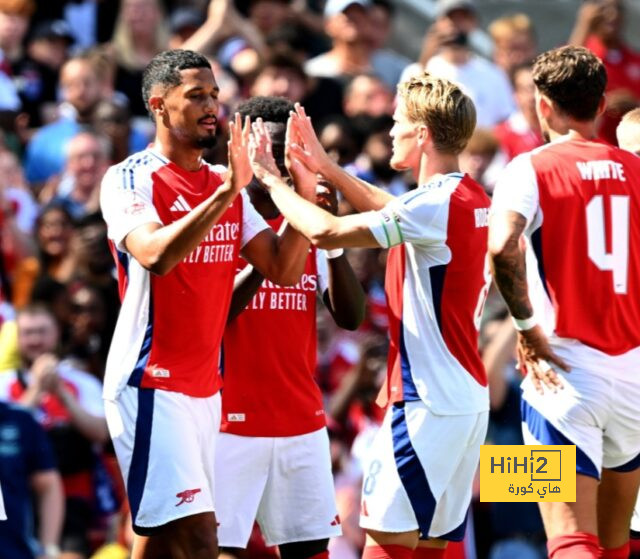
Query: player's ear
pixel 156 104
pixel 423 134
pixel 602 105
pixel 544 106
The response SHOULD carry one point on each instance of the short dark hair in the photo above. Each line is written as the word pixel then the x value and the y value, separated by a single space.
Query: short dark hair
pixel 573 78
pixel 165 69
pixel 269 109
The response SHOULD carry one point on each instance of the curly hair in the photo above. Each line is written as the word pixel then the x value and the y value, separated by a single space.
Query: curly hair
pixel 270 109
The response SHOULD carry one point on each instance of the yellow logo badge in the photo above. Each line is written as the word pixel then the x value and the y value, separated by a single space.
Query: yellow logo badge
pixel 534 473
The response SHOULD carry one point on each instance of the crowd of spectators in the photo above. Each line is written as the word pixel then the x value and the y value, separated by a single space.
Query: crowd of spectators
pixel 70 106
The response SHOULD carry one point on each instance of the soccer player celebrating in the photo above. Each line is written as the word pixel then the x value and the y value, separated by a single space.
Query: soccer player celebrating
pixel 564 231
pixel 177 226
pixel 415 494
pixel 273 460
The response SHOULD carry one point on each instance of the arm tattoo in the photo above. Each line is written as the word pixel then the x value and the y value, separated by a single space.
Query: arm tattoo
pixel 509 269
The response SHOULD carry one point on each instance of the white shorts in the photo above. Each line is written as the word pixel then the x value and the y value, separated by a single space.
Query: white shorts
pixel 420 470
pixel 597 410
pixel 165 445
pixel 284 483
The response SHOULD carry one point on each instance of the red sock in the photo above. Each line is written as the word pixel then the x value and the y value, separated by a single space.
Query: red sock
pixel 621 552
pixel 387 552
pixel 579 545
pixel 429 552
pixel 323 555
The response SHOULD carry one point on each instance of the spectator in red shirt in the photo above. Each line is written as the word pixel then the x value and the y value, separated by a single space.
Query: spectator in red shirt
pixel 599 27
pixel 521 131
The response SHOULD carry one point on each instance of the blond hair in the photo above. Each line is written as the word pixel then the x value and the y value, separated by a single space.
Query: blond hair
pixel 124 43
pixel 441 105
pixel 628 131
pixel 504 28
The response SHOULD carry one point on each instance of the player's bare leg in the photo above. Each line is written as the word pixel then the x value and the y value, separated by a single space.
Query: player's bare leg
pixel 616 499
pixel 191 537
pixel 573 525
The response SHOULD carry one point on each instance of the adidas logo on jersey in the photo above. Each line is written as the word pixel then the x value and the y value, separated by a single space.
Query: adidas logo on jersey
pixel 180 205
pixel 235 417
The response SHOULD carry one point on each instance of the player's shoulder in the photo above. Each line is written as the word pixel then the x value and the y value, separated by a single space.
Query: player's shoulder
pixel 135 168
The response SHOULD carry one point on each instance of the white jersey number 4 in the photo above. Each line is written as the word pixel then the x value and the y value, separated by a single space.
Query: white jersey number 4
pixel 616 261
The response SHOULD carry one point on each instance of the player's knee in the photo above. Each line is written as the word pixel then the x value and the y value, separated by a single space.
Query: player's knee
pixel 304 550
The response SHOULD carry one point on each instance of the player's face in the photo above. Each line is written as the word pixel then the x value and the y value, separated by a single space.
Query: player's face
pixel 191 108
pixel 406 152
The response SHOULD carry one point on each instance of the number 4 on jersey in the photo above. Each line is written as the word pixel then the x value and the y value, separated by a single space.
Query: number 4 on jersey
pixel 616 261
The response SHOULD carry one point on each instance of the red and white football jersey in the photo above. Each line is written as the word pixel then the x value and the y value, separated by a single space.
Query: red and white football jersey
pixel 269 360
pixel 516 136
pixel 582 203
pixel 170 327
pixel 436 284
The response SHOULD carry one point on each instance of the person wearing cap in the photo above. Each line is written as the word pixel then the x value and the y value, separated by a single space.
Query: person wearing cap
pixel 347 25
pixel 37 72
pixel 453 60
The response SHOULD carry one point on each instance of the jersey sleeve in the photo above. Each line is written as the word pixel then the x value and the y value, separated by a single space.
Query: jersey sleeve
pixel 126 202
pixel 322 266
pixel 517 189
pixel 418 217
pixel 252 222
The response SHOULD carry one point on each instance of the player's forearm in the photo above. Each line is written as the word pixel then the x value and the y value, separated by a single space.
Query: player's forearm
pixel 360 194
pixel 50 507
pixel 316 224
pixel 245 286
pixel 289 257
pixel 346 298
pixel 167 246
pixel 508 264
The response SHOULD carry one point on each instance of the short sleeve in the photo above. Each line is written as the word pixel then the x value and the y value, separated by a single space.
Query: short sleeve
pixel 322 267
pixel 126 200
pixel 418 217
pixel 89 389
pixel 517 189
pixel 252 222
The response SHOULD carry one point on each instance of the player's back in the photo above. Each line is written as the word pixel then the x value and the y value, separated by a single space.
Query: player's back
pixel 588 244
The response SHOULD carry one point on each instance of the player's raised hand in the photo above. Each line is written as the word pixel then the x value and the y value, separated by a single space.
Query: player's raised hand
pixel 536 359
pixel 240 172
pixel 304 178
pixel 263 163
pixel 304 144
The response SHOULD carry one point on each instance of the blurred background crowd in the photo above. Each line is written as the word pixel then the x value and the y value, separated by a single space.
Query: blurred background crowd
pixel 70 106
